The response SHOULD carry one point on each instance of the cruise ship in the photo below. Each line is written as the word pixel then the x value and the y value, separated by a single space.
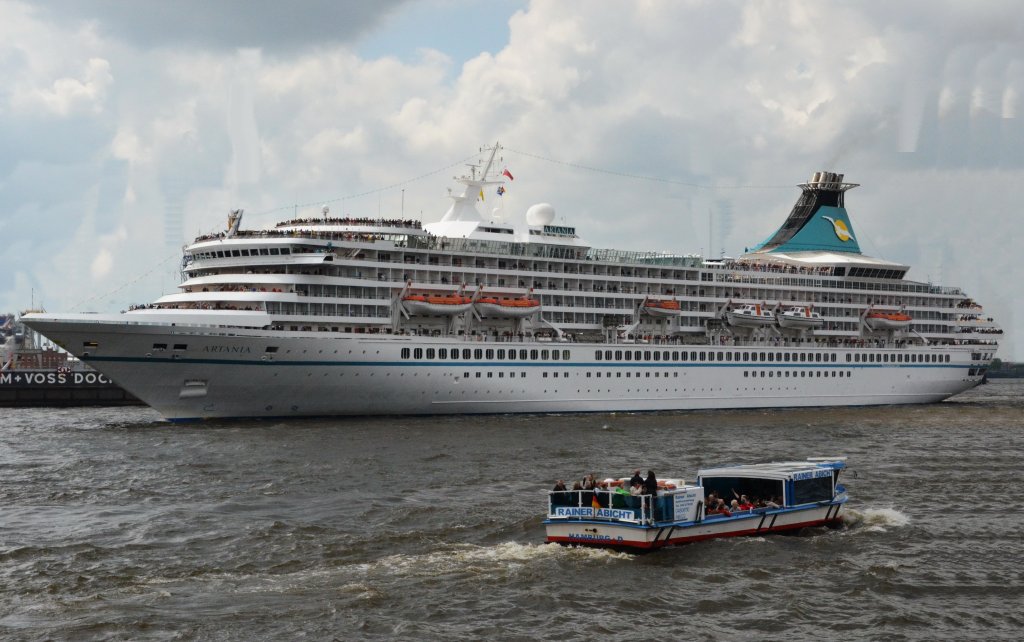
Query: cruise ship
pixel 327 316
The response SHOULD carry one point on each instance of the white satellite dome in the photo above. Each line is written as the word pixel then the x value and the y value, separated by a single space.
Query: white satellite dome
pixel 540 214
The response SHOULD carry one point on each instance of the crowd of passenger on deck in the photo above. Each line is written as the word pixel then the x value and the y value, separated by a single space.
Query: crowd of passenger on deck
pixel 591 492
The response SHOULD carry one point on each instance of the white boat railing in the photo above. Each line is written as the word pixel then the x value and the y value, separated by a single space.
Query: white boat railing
pixel 583 502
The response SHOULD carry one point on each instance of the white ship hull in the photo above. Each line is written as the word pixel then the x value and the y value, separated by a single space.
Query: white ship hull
pixel 758 522
pixel 318 374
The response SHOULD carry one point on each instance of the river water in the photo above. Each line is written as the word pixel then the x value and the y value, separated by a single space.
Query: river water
pixel 115 525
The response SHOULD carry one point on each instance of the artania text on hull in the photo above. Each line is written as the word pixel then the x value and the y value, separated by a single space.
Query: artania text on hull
pixel 345 316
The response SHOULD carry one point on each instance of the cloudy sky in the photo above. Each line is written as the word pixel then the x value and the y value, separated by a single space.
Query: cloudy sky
pixel 127 128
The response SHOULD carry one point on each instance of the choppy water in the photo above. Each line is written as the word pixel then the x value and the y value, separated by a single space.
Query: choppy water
pixel 114 525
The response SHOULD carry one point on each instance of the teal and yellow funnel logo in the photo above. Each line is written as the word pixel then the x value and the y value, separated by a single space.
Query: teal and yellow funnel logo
pixel 839 227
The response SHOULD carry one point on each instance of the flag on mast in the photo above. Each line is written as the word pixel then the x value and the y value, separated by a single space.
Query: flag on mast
pixel 508 173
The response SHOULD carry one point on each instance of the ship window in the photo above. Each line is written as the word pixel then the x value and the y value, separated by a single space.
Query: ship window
pixel 417 353
pixel 628 354
pixel 271 348
pixel 511 355
pixel 285 250
pixel 442 353
pixel 703 356
pixel 263 251
pixel 817 357
pixel 608 355
pixel 90 344
pixel 848 357
pixel 728 356
pixel 618 355
pixel 274 251
pixel 647 355
pixel 636 356
pixel 657 356
pixel 159 346
pixel 501 353
pixel 478 354
pixel 746 356
pixel 245 252
pixel 466 353
pixel 490 375
pixel 693 356
pixel 534 354
pixel 478 375
pixel 235 253
pixel 489 354
pixel 554 355
pixel 597 355
pixel 763 357
pixel 833 359
pixel 771 356
pixel 947 358
pixel 544 355
pixel 180 346
pixel 522 355
pixel 565 355
pixel 675 355
pixel 806 491
pixel 405 353
pixel 430 353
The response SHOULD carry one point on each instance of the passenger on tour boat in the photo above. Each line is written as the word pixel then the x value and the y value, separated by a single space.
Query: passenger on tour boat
pixel 636 478
pixel 650 484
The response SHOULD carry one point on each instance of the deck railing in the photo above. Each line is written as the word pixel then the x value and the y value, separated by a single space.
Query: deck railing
pixel 640 505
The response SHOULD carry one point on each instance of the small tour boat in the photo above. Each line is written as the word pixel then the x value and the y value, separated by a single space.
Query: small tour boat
pixel 800 318
pixel 751 316
pixel 661 307
pixel 887 320
pixel 778 496
pixel 510 308
pixel 439 305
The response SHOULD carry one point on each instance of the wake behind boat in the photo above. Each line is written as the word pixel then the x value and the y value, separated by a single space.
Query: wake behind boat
pixel 762 499
pixel 518 314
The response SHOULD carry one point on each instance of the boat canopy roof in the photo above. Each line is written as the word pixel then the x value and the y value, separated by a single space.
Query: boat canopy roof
pixel 785 470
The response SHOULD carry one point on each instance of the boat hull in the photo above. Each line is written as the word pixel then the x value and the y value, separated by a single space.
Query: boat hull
pixel 661 312
pixel 439 309
pixel 642 537
pixel 876 323
pixel 794 322
pixel 505 311
pixel 749 320
pixel 321 374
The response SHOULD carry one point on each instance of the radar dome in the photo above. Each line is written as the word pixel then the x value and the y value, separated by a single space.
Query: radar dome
pixel 540 214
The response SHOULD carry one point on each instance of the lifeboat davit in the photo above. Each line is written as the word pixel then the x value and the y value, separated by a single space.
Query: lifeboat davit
pixel 887 320
pixel 438 305
pixel 750 316
pixel 661 308
pixel 507 308
pixel 800 318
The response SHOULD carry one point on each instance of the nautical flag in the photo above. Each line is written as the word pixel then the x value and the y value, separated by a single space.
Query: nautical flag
pixel 481 193
pixel 501 190
pixel 594 503
pixel 508 173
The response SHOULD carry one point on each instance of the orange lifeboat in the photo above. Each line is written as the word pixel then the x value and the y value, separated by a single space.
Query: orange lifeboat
pixel 661 307
pixel 507 308
pixel 887 320
pixel 444 305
